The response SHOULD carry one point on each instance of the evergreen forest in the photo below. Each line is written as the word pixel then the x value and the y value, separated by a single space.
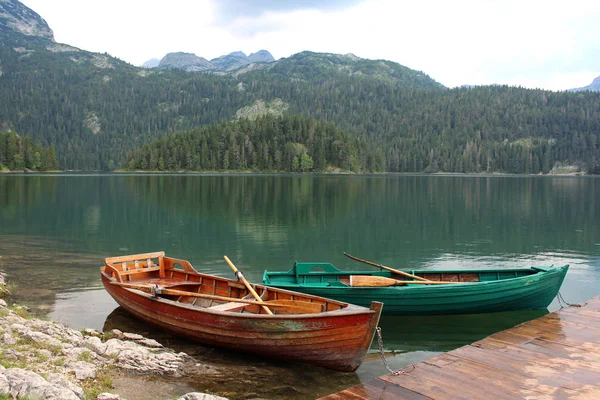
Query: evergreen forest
pixel 269 143
pixel 99 112
pixel 20 154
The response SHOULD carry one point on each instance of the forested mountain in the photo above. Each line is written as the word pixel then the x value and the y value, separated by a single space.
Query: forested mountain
pixel 94 109
pixel 268 143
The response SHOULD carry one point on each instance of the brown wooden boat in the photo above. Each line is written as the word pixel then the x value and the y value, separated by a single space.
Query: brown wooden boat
pixel 170 293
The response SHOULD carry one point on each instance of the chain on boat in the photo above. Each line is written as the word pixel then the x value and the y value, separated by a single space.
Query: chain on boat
pixel 400 371
pixel 563 303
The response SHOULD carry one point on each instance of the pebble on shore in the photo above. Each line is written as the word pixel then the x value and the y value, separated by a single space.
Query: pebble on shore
pixel 46 360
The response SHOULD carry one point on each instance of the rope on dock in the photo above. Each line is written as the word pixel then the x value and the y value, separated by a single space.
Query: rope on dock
pixel 385 363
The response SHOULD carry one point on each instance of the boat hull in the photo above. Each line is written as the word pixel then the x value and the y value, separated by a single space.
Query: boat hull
pixel 530 292
pixel 336 340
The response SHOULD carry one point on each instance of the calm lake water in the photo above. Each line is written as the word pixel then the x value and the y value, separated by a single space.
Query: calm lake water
pixel 55 231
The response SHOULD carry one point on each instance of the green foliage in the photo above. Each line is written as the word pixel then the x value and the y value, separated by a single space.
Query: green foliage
pixel 103 382
pixel 85 356
pixel 18 154
pixel 269 143
pixel 306 163
pixel 7 288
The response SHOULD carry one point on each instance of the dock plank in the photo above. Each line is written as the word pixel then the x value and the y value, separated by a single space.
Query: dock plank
pixel 556 356
pixel 377 389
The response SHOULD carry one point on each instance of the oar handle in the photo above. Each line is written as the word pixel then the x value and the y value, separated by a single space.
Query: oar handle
pixel 240 276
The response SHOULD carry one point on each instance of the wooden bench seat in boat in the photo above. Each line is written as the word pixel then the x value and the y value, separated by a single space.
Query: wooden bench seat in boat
pixel 138 270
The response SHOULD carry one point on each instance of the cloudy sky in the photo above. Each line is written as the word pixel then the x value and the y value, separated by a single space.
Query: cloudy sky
pixel 532 43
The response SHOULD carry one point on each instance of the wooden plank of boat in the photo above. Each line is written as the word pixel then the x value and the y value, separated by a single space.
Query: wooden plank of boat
pixel 336 337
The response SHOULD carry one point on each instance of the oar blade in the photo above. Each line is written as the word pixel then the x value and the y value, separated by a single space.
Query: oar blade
pixel 372 281
pixel 381 281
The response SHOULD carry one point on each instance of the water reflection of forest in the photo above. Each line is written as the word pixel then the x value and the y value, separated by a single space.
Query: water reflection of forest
pixel 403 220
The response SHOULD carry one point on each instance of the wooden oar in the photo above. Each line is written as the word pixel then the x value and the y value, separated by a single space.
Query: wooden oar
pixel 297 306
pixel 240 276
pixel 381 281
pixel 395 271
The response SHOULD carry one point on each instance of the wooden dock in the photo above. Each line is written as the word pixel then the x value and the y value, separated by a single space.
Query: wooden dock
pixel 556 356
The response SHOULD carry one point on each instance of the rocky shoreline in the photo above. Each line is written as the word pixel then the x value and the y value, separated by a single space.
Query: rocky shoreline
pixel 42 359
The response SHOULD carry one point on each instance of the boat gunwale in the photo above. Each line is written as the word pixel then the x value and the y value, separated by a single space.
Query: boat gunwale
pixel 536 275
pixel 346 310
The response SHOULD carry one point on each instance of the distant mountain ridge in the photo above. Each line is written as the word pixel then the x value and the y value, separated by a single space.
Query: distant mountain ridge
pixel 320 67
pixel 593 87
pixel 192 63
pixel 152 63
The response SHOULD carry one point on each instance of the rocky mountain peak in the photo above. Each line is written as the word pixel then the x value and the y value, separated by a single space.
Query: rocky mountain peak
pixel 594 86
pixel 186 61
pixel 232 61
pixel 17 17
pixel 261 56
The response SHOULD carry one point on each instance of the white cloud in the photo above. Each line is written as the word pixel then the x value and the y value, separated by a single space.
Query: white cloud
pixel 549 44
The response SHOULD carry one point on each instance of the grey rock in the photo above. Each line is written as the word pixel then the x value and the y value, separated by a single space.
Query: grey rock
pixel 150 343
pixel 8 340
pixel 95 344
pixel 116 333
pixel 4 384
pixel 132 336
pixel 60 380
pixel 45 353
pixel 200 396
pixel 116 346
pixel 20 328
pixel 40 337
pixel 75 353
pixel 23 383
pixel 83 370
pixel 92 332
pixel 12 354
pixel 141 360
pixel 17 17
pixel 3 304
pixel 108 396
pixel 72 336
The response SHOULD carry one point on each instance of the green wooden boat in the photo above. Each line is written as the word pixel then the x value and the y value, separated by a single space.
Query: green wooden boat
pixel 473 291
